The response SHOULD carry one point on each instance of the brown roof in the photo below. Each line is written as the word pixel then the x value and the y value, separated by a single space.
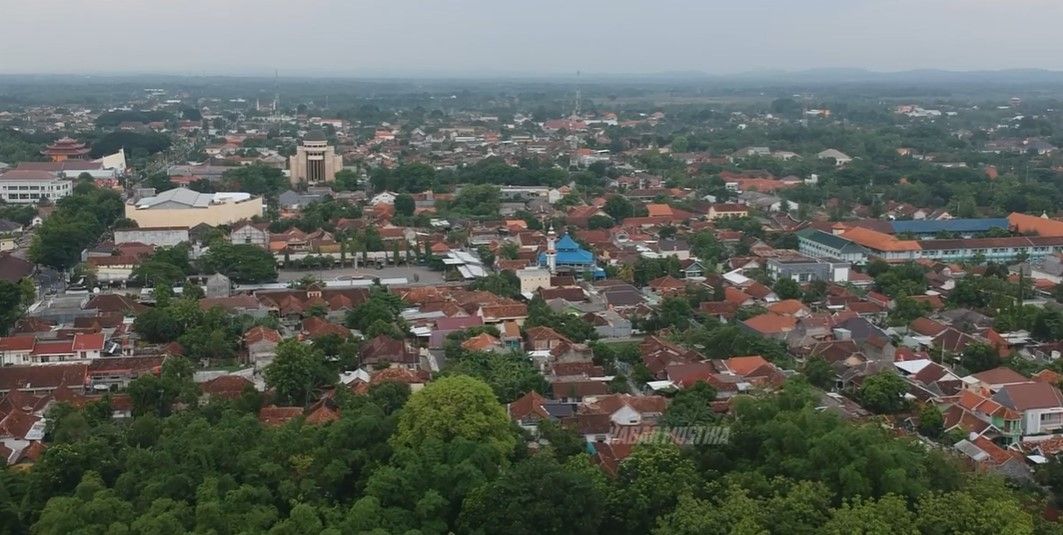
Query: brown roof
pixel 542 332
pixel 579 388
pixel 115 303
pixel 43 377
pixel 259 333
pixel 504 311
pixel 926 326
pixel 1026 396
pixel 480 342
pixel 273 415
pixel 529 405
pixel 1000 376
pixel 386 349
pixel 571 293
pixel 226 386
pixel 771 323
pixel 642 404
pixel 13 268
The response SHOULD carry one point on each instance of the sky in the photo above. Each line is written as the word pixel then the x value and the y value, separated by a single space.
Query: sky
pixel 530 37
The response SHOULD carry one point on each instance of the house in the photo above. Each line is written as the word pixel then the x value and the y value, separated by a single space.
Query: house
pixel 804 269
pixel 384 352
pixel 771 325
pixel 624 410
pixel 692 268
pixel 247 233
pixel 840 158
pixel 989 382
pixel 1040 404
pixel 483 342
pixel 721 210
pixel 669 247
pixel 261 343
pixel 543 339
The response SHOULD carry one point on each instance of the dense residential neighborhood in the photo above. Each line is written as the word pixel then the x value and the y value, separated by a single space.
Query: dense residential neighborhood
pixel 222 305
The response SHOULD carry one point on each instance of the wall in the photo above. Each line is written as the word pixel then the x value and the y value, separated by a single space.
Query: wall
pixel 215 214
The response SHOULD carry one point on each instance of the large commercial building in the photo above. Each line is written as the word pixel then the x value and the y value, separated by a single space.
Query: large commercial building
pixel 27 186
pixel 182 207
pixel 1042 237
pixel 315 161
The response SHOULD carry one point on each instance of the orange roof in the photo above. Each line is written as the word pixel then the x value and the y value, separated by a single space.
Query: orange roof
pixel 787 307
pixel 878 240
pixel 480 342
pixel 659 210
pixel 1041 226
pixel 769 323
pixel 745 365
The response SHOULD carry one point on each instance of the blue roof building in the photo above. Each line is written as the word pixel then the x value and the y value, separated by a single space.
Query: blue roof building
pixel 954 226
pixel 572 257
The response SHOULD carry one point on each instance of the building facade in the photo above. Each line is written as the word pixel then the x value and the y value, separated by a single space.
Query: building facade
pixel 186 208
pixel 805 269
pixel 157 236
pixel 315 161
pixel 29 187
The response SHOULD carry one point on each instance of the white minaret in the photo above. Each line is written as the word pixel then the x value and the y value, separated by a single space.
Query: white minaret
pixel 551 253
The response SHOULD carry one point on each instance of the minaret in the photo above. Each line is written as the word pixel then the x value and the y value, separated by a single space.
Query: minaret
pixel 551 253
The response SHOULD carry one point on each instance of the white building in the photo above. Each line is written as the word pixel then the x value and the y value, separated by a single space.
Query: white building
pixel 531 279
pixel 29 186
pixel 157 236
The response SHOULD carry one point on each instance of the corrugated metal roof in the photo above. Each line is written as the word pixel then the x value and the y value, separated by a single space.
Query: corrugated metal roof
pixel 948 225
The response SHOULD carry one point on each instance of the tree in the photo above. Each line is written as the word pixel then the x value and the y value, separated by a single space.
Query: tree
pixel 651 480
pixel 978 357
pixel 619 208
pixel 680 144
pixel 787 288
pixel 906 310
pixel 509 375
pixel 13 301
pixel 256 179
pixel 538 495
pixel 451 408
pixel 153 394
pixel 157 325
pixel 404 205
pixel 503 284
pixel 477 200
pixel 931 421
pixel 78 221
pixel 886 515
pixel 242 263
pixel 819 372
pixel 600 222
pixel 883 393
pixel 691 406
pixel 297 372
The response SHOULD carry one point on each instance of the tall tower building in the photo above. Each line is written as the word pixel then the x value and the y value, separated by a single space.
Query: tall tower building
pixel 551 251
pixel 315 161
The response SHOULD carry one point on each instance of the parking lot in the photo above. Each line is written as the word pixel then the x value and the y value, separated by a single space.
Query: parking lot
pixel 414 274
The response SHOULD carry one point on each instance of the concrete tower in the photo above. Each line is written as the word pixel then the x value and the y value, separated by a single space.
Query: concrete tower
pixel 551 252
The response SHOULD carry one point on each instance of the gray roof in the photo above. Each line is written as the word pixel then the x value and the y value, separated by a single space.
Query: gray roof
pixel 177 195
pixel 827 239
pixel 315 135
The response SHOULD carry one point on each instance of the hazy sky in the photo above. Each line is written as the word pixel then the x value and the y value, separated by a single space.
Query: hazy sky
pixel 486 37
